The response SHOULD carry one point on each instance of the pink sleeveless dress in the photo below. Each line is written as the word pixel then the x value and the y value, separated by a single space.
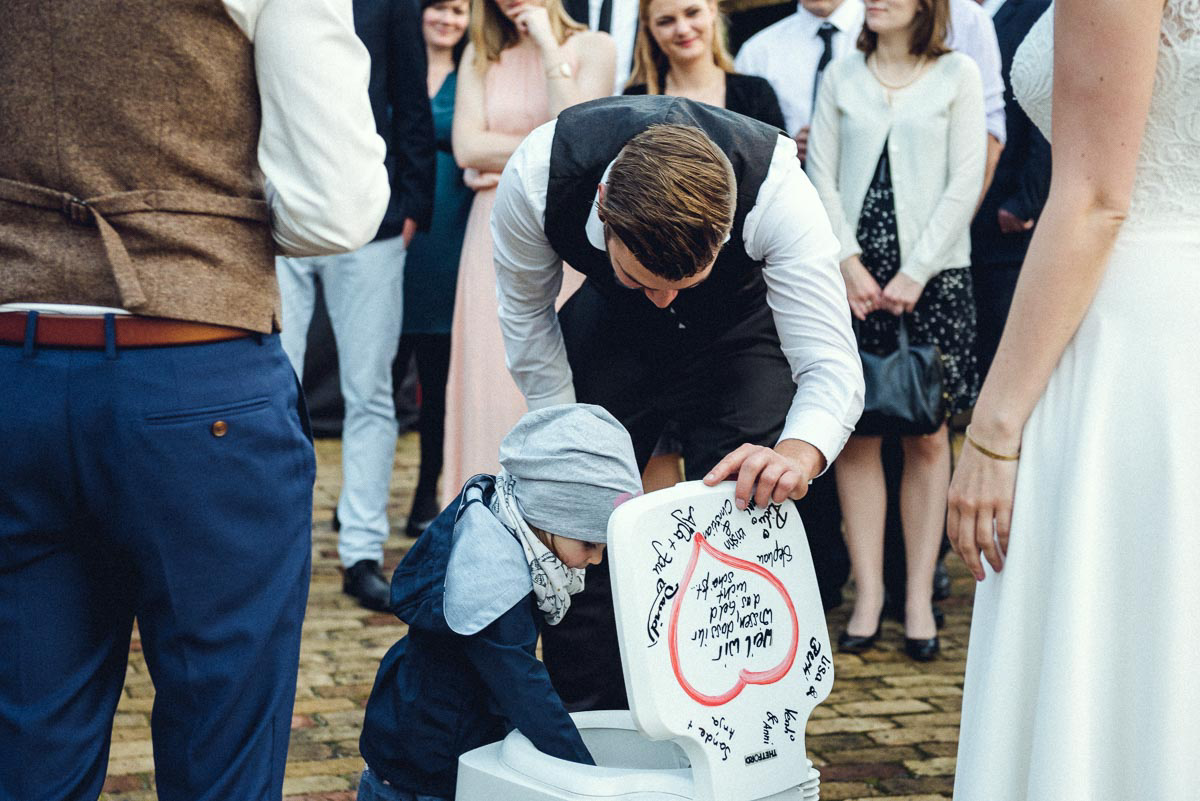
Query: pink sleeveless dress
pixel 482 401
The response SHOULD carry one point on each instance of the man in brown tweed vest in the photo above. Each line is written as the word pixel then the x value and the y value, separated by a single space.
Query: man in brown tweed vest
pixel 155 464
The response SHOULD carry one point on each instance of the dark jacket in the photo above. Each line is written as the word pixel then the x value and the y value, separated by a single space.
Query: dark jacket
pixel 745 94
pixel 439 694
pixel 391 31
pixel 1022 179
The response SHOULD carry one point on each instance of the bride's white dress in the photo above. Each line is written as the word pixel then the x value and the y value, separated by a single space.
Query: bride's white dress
pixel 1083 671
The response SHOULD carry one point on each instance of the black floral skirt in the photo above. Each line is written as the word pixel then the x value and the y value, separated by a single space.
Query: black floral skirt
pixel 944 315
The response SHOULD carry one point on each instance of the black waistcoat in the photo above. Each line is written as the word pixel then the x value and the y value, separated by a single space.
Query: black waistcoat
pixel 587 137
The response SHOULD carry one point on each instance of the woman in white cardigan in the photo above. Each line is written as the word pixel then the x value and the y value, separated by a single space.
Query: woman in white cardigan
pixel 897 153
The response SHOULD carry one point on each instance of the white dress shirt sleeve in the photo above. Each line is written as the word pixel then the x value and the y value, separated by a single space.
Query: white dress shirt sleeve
pixel 318 149
pixel 787 229
pixel 967 153
pixel 529 276
pixel 973 34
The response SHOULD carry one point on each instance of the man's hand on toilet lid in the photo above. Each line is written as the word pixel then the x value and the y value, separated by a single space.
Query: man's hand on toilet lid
pixel 769 475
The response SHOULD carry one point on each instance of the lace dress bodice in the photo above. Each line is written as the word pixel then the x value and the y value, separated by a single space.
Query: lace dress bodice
pixel 1167 188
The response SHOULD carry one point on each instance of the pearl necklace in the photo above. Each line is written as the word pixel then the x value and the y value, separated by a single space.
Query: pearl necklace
pixel 873 66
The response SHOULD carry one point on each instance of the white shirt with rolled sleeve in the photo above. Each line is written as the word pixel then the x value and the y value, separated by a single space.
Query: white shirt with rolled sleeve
pixel 321 158
pixel 786 54
pixel 787 229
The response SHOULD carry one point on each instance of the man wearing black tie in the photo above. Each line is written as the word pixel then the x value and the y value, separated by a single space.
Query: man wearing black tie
pixel 794 52
pixel 619 19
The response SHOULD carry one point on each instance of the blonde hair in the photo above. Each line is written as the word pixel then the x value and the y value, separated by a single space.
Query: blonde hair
pixel 492 32
pixel 671 198
pixel 650 65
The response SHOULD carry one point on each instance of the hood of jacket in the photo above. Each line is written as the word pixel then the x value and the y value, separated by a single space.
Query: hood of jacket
pixel 464 571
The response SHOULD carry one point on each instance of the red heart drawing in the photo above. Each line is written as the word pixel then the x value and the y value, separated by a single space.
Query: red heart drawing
pixel 744 676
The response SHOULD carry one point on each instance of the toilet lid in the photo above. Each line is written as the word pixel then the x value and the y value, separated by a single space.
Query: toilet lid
pixel 722 635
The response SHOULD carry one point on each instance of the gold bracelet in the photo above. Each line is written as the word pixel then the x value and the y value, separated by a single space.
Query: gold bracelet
pixel 1000 457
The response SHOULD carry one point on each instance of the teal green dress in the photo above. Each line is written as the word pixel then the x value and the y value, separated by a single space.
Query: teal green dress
pixel 431 267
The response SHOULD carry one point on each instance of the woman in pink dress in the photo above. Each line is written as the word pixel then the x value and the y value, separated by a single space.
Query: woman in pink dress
pixel 526 62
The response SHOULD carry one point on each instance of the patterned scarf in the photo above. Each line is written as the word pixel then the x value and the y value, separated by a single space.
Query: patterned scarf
pixel 553 582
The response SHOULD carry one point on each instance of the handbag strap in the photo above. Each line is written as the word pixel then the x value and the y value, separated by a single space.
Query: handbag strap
pixel 902 336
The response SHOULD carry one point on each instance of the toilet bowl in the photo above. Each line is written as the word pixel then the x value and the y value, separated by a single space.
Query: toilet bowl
pixel 725 654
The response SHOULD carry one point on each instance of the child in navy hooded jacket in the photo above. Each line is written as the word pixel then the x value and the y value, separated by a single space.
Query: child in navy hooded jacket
pixel 500 561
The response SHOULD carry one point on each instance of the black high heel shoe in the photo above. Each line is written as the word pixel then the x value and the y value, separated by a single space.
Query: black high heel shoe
pixel 856 644
pixel 922 650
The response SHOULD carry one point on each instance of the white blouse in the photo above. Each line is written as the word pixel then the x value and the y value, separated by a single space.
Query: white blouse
pixel 936 135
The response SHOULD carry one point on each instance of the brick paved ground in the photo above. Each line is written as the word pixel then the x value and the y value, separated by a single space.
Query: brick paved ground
pixel 888 731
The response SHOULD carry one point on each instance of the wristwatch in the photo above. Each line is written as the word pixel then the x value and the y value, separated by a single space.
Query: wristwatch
pixel 560 70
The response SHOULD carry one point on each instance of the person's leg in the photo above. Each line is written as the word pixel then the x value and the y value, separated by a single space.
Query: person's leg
pixel 297 294
pixel 371 787
pixel 895 569
pixel 923 492
pixel 363 293
pixel 863 498
pixel 822 515
pixel 581 653
pixel 433 366
pixel 994 285
pixel 662 471
pixel 206 484
pixel 65 591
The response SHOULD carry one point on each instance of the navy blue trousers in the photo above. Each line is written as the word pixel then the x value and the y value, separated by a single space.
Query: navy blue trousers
pixel 172 486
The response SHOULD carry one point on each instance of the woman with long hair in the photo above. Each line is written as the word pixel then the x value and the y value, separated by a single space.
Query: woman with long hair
pixel 897 153
pixel 681 51
pixel 431 269
pixel 526 61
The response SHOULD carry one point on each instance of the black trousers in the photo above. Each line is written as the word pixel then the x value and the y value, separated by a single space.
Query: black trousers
pixel 994 287
pixel 722 392
pixel 432 353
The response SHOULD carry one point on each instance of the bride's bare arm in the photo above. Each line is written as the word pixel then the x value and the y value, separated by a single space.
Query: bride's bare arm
pixel 1100 107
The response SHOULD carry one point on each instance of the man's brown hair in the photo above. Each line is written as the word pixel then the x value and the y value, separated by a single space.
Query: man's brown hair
pixel 670 199
pixel 927 36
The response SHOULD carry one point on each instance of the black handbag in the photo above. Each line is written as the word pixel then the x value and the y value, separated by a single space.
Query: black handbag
pixel 905 390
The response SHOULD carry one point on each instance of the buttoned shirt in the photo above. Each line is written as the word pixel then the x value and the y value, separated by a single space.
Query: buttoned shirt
pixel 786 54
pixel 320 155
pixel 992 6
pixel 786 229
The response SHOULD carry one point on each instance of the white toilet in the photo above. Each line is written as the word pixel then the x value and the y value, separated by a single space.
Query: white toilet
pixel 725 655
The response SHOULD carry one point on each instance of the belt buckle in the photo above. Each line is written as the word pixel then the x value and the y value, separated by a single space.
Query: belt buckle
pixel 77 211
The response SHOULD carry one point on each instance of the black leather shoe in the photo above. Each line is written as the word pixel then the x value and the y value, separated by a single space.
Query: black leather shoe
pixel 424 511
pixel 941 582
pixel 922 650
pixel 366 584
pixel 897 613
pixel 855 644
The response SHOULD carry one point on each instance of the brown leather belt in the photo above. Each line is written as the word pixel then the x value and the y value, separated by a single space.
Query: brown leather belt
pixel 87 331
